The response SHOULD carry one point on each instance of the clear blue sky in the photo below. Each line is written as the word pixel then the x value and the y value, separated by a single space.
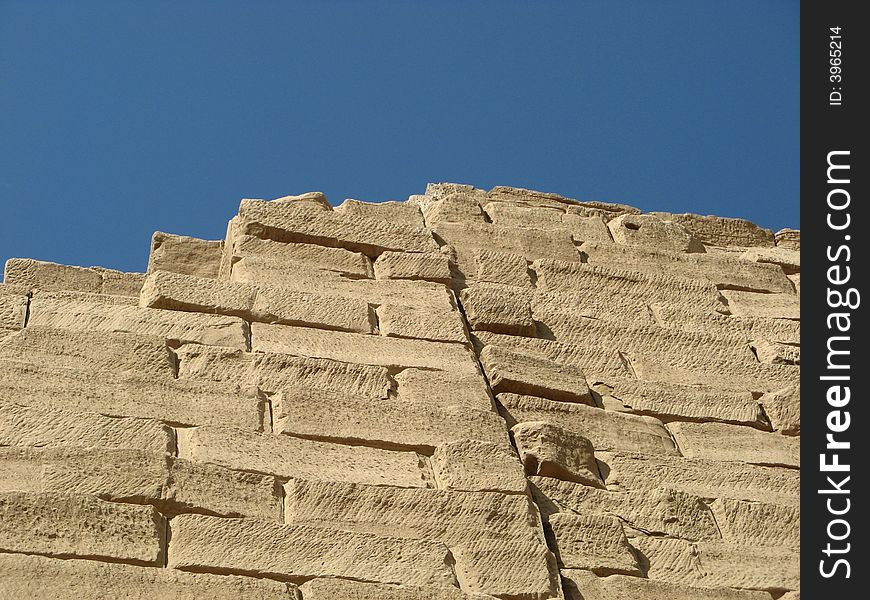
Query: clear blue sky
pixel 120 118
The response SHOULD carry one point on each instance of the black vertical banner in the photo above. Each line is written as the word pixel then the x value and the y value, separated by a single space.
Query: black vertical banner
pixel 835 427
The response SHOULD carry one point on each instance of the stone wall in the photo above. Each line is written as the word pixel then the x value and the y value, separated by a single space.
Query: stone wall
pixel 470 394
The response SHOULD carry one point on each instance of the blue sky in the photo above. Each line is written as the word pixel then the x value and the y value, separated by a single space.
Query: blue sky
pixel 120 118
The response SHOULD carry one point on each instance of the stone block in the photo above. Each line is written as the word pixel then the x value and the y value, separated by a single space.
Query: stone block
pixel 722 231
pixel 651 231
pixel 593 542
pixel 185 255
pixel 394 212
pixel 783 408
pixel 550 451
pixel 520 373
pixel 498 308
pixel 584 585
pixel 725 442
pixel 395 320
pixel 475 466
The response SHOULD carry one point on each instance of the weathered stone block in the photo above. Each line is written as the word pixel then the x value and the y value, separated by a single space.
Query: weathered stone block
pixel 551 451
pixel 649 230
pixel 721 441
pixel 185 255
pixel 431 266
pixel 584 585
pixel 498 308
pixel 771 306
pixel 593 542
pixel 394 212
pixel 510 371
pixel 501 267
pixel 395 320
pixel 287 256
pixel 783 408
pixel 475 466
pixel 722 231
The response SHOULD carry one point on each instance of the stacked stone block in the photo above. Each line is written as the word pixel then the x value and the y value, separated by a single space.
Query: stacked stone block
pixel 472 394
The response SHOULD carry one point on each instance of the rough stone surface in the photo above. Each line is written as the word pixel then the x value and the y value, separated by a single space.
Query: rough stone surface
pixel 469 395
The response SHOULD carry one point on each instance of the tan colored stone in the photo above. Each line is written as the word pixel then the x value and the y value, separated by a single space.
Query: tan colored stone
pixel 431 266
pixel 722 231
pixel 559 311
pixel 789 260
pixel 773 353
pixel 290 255
pixel 583 585
pixel 790 239
pixel 518 214
pixel 712 564
pixel 332 588
pixel 704 478
pixel 272 372
pixel 649 230
pixel 266 272
pixel 129 394
pixel 24 576
pixel 775 306
pixel 24 426
pixel 287 456
pixel 392 211
pixel 783 408
pixel 452 517
pixel 605 429
pixel 757 523
pixel 501 267
pixel 443 388
pixel 498 308
pixel 185 255
pixel 310 199
pixel 722 374
pixel 655 511
pixel 48 276
pixel 13 307
pixel 209 489
pixel 511 371
pixel 319 414
pixel 593 542
pixel 550 451
pixel 685 403
pixel 475 466
pixel 721 441
pixel 596 363
pixel 395 320
pixel 592 228
pixel 533 197
pixel 719 269
pixel 118 283
pixel 58 524
pixel 294 223
pixel 82 314
pixel 507 569
pixel 362 349
pixel 247 546
pixel 291 307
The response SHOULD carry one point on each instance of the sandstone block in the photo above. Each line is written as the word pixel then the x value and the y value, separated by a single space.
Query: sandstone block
pixel 559 311
pixel 58 524
pixel 757 523
pixel 24 576
pixel 290 255
pixel 13 307
pixel 475 466
pixel 272 372
pixel 459 206
pixel 774 353
pixel 289 223
pixel 716 373
pixel 432 266
pixel 452 517
pixel 654 511
pixel 533 197
pixel 592 228
pixel 319 414
pixel 394 212
pixel 583 585
pixel 789 260
pixel 507 570
pixel 175 401
pixel 749 304
pixel 118 283
pixel 290 307
pixel 551 451
pixel 24 426
pixel 510 371
pixel 331 588
pixel 593 542
pixel 718 269
pixel 722 231
pixel 498 308
pixel 121 475
pixel 649 230
pixel 501 267
pixel 711 564
pixel 202 488
pixel 790 239
pixel 95 351
pixel 286 456
pixel 421 323
pixel 783 408
pixel 185 255
pixel 721 441
pixel 84 314
pixel 520 214
pixel 362 349
pixel 606 430
pixel 48 276
pixel 704 478
pixel 316 200
pixel 443 388
pixel 201 543
pixel 682 402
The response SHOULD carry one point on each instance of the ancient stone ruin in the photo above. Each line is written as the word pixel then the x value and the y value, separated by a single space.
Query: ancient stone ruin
pixel 467 395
